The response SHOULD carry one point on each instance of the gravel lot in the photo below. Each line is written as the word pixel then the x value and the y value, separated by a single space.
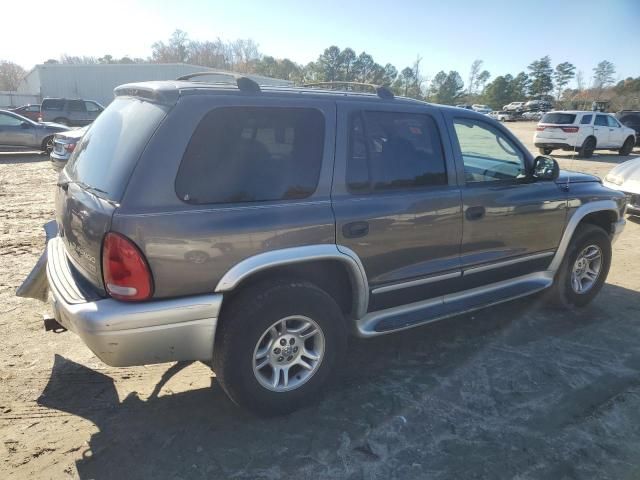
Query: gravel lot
pixel 515 391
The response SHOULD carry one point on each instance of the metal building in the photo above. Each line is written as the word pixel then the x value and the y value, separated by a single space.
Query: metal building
pixel 97 81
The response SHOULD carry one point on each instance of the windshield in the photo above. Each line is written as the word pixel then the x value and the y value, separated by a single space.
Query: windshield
pixel 559 118
pixel 109 150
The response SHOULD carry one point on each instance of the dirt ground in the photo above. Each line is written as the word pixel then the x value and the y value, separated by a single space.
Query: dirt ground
pixel 515 391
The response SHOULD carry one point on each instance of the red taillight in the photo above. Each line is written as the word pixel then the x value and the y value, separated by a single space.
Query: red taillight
pixel 124 269
pixel 39 118
pixel 570 129
pixel 540 128
pixel 69 147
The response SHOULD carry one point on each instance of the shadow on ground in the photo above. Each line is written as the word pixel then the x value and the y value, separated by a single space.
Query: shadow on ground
pixel 12 157
pixel 512 391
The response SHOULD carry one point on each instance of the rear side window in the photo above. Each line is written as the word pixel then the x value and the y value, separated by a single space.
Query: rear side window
pixel 558 118
pixel 109 150
pixel 76 106
pixel 52 104
pixel 252 155
pixel 586 120
pixel 391 151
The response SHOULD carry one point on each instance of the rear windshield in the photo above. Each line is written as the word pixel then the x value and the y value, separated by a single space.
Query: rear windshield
pixel 559 118
pixel 108 152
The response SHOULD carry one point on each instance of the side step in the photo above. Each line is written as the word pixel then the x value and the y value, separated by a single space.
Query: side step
pixel 421 313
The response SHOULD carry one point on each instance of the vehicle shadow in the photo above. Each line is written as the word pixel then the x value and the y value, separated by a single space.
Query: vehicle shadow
pixel 481 395
pixel 13 157
pixel 612 157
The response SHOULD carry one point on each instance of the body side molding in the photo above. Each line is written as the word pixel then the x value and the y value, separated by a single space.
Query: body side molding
pixel 578 215
pixel 290 256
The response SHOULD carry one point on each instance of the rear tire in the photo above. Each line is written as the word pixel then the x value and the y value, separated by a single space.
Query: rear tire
pixel 589 251
pixel 62 121
pixel 588 147
pixel 627 147
pixel 545 151
pixel 260 326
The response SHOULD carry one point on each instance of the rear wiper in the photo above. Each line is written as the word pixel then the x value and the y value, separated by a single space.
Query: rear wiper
pixel 86 186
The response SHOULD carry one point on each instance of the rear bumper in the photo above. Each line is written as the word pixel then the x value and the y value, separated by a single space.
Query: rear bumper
pixel 126 334
pixel 553 145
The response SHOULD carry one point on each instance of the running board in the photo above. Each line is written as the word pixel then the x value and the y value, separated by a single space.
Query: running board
pixel 421 313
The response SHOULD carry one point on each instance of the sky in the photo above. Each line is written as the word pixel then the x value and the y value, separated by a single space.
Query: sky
pixel 448 35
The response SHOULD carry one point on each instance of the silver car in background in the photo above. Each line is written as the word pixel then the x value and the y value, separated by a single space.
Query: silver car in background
pixel 626 178
pixel 63 146
pixel 19 131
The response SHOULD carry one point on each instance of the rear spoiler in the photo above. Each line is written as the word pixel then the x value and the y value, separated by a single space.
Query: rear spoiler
pixel 149 91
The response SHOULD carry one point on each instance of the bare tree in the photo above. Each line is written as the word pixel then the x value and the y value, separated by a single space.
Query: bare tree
pixel 473 75
pixel 10 75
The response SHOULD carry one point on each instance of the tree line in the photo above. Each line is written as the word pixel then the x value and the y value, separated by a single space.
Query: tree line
pixel 541 80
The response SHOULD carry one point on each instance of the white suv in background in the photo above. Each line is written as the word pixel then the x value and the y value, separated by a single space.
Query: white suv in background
pixel 582 132
pixel 514 107
pixel 480 108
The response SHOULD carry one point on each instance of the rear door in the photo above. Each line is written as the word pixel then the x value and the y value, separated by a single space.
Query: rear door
pixel 601 130
pixel 396 202
pixel 77 112
pixel 511 225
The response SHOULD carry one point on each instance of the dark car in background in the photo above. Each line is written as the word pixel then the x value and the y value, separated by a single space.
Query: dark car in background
pixel 31 111
pixel 537 106
pixel 71 112
pixel 19 131
pixel 631 119
pixel 63 146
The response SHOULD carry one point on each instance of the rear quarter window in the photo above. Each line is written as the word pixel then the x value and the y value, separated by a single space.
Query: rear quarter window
pixel 559 118
pixel 252 154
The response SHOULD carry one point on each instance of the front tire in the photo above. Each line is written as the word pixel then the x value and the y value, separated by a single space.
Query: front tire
pixel 584 269
pixel 47 145
pixel 277 345
pixel 627 147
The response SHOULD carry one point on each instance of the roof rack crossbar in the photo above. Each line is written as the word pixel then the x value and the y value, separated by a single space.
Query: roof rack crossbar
pixel 380 90
pixel 245 84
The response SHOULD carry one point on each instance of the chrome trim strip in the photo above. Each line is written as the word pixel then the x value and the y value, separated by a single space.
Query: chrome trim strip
pixel 366 325
pixel 572 224
pixel 506 263
pixel 414 283
pixel 289 256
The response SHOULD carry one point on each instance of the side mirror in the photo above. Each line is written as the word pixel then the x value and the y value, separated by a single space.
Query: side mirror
pixel 545 168
pixel 24 125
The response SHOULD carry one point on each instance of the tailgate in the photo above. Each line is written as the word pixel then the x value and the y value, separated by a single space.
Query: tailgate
pixel 83 218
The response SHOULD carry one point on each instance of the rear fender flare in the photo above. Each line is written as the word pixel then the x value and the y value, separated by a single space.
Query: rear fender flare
pixel 288 256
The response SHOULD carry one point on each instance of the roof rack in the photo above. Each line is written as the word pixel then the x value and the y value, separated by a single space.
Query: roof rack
pixel 380 90
pixel 245 84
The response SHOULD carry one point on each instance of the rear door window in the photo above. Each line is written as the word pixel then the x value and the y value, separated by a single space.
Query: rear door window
pixel 252 154
pixel 394 151
pixel 586 120
pixel 601 121
pixel 53 104
pixel 76 106
pixel 558 118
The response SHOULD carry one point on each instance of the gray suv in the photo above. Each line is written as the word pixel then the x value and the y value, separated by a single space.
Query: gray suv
pixel 70 112
pixel 256 228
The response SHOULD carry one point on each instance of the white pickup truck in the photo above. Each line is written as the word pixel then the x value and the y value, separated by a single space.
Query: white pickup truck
pixel 583 132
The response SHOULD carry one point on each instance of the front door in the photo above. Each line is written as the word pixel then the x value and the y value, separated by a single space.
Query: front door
pixel 512 225
pixel 15 132
pixel 396 202
pixel 616 135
